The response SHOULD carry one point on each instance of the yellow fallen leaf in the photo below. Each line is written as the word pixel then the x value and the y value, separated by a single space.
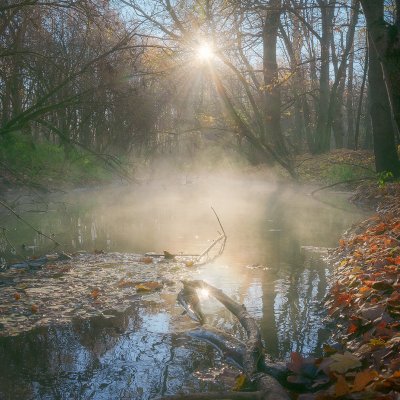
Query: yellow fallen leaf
pixel 377 342
pixel 362 379
pixel 356 270
pixel 189 263
pixel 240 382
pixel 148 286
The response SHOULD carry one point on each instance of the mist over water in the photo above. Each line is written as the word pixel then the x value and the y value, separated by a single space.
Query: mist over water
pixel 174 214
pixel 272 264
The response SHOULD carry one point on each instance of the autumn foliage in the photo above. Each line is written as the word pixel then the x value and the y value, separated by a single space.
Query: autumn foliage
pixel 364 303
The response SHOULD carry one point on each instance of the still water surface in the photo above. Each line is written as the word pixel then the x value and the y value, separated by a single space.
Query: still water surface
pixel 272 264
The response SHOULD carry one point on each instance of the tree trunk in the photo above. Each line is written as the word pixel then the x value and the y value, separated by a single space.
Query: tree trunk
pixel 322 133
pixel 350 102
pixel 384 50
pixel 386 158
pixel 386 39
pixel 336 95
pixel 272 97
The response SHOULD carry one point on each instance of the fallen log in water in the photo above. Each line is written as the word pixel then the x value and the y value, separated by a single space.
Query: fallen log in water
pixel 266 386
pixel 233 350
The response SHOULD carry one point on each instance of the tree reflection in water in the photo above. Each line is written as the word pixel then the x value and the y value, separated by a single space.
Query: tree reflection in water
pixel 129 356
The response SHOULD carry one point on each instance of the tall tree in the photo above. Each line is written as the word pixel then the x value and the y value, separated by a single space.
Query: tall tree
pixel 384 67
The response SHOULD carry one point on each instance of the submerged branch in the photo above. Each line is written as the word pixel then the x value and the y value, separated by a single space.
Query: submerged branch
pixel 254 354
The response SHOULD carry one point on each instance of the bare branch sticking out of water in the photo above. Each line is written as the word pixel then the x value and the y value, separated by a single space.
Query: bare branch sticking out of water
pixel 205 257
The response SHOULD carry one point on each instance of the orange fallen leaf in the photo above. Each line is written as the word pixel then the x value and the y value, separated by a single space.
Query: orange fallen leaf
pixel 17 296
pixel 352 328
pixel 34 308
pixel 362 379
pixel 146 260
pixel 341 386
pixel 95 293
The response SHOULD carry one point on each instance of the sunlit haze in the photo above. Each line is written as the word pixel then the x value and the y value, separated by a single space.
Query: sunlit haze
pixel 205 52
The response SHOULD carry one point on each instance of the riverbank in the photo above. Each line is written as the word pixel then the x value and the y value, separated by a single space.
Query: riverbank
pixel 363 303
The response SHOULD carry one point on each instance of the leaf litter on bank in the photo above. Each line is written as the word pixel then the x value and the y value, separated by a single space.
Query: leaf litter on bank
pixel 364 306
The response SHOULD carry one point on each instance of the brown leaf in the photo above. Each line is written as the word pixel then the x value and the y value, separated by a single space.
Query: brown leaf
pixel 341 386
pixel 146 260
pixel 296 362
pixel 362 379
pixel 123 284
pixel 95 293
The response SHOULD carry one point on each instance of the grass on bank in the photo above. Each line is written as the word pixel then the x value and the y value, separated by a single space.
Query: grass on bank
pixel 22 160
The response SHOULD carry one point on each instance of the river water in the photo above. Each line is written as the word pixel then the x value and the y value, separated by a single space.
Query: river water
pixel 272 263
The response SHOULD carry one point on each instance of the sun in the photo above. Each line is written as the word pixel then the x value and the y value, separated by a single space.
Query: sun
pixel 204 52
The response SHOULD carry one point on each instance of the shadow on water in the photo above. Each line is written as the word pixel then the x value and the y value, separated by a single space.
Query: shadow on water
pixel 272 264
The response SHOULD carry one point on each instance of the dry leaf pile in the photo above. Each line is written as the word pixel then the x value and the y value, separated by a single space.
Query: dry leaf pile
pixel 364 302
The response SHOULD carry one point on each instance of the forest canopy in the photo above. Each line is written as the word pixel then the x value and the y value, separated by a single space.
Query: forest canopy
pixel 126 81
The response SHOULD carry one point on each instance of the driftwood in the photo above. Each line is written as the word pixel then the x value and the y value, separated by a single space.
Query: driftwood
pixel 252 358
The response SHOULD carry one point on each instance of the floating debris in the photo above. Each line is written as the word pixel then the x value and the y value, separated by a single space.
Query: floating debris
pixel 83 286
